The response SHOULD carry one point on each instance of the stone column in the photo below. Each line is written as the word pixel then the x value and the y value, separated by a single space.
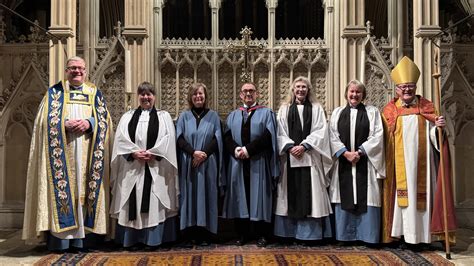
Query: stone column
pixel 63 45
pixel 215 5
pixel 332 42
pixel 352 17
pixel 396 27
pixel 89 31
pixel 271 6
pixel 157 38
pixel 425 26
pixel 138 20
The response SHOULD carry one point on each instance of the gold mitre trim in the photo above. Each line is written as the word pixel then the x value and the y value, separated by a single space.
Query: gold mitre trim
pixel 405 72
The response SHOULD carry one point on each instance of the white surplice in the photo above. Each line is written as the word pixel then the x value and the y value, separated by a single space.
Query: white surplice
pixel 126 174
pixel 77 111
pixel 413 224
pixel 320 154
pixel 374 148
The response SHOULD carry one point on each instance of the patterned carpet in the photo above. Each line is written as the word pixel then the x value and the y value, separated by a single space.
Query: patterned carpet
pixel 252 255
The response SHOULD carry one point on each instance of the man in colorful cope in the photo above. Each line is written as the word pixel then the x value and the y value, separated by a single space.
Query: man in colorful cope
pixel 67 190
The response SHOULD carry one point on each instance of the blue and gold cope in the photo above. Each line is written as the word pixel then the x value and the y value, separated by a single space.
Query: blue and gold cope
pixel 59 173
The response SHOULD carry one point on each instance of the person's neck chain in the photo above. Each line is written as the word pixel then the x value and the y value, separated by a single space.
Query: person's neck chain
pixel 198 115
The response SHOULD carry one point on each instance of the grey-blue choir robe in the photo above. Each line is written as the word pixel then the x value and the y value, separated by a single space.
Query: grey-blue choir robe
pixel 199 186
pixel 264 168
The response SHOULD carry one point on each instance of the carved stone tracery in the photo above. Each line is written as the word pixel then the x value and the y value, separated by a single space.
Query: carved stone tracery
pixel 183 65
pixel 20 63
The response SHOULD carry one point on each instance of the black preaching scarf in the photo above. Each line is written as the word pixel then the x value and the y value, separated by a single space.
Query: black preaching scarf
pixel 345 167
pixel 299 178
pixel 152 135
pixel 246 138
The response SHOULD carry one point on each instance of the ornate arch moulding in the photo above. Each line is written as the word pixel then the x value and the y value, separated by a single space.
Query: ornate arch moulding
pixel 105 62
pixel 308 43
pixel 201 43
pixel 458 95
pixel 376 72
pixel 17 93
pixel 33 64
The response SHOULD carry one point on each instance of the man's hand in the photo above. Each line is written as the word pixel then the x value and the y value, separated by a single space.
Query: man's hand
pixel 440 121
pixel 77 125
pixel 241 153
pixel 198 158
pixel 297 151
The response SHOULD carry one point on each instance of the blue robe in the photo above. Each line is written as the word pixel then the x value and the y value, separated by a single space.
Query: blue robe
pixel 264 169
pixel 199 186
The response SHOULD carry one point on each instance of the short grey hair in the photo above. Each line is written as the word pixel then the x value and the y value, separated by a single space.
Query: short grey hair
pixel 359 85
pixel 75 58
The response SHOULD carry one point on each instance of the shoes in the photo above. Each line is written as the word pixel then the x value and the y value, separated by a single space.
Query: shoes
pixel 402 246
pixel 241 241
pixel 188 244
pixel 262 242
pixel 204 243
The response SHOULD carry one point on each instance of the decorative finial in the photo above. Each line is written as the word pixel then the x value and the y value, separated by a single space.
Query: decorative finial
pixel 369 27
pixel 118 29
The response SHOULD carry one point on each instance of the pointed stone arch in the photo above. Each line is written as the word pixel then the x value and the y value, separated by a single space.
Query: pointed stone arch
pixel 109 76
pixel 16 126
pixel 457 96
pixel 225 91
pixel 376 76
pixel 456 103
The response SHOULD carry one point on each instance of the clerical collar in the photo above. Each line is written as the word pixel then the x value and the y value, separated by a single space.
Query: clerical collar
pixel 146 110
pixel 355 107
pixel 254 104
pixel 72 87
pixel 410 104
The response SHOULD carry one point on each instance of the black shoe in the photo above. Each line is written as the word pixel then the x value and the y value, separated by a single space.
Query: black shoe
pixel 204 243
pixel 188 244
pixel 241 241
pixel 402 246
pixel 262 242
pixel 134 248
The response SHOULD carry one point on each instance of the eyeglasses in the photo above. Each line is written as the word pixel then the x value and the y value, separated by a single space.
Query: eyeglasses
pixel 406 87
pixel 76 68
pixel 249 91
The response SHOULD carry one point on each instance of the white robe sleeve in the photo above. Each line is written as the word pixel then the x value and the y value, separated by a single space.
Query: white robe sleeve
pixel 374 145
pixel 282 131
pixel 336 143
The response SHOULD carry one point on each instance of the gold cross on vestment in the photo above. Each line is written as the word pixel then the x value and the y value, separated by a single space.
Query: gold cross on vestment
pixel 245 46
